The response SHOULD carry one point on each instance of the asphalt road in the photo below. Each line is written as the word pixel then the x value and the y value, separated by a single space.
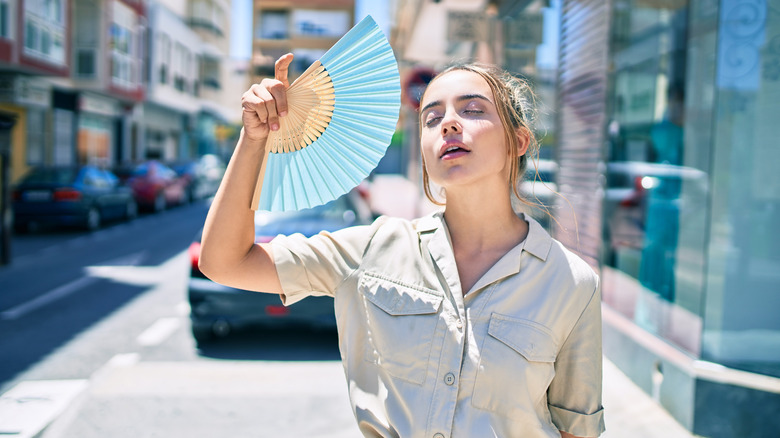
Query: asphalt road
pixel 61 282
pixel 98 333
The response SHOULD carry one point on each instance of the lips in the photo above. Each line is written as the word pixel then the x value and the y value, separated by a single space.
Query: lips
pixel 452 149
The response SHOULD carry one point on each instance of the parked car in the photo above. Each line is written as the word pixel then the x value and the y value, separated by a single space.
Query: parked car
pixel 83 196
pixel 218 310
pixel 637 191
pixel 202 175
pixel 156 186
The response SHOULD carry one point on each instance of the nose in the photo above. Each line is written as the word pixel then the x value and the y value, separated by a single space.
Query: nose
pixel 450 126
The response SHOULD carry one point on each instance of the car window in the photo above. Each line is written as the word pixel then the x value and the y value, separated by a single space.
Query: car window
pixel 110 178
pixel 51 176
pixel 141 169
pixel 93 177
pixel 166 172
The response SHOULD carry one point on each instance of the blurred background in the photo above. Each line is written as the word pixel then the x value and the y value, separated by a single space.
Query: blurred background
pixel 658 164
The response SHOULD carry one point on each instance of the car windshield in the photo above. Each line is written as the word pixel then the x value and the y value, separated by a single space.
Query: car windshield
pixel 333 209
pixel 141 169
pixel 52 176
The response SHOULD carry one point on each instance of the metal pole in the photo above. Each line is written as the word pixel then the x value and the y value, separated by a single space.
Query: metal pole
pixel 6 123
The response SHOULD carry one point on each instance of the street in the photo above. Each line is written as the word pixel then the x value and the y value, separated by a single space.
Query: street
pixel 96 343
pixel 81 310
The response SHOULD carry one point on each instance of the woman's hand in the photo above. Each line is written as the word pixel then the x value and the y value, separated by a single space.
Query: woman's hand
pixel 265 102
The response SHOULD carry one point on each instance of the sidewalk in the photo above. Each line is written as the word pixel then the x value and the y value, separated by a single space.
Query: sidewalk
pixel 248 399
pixel 630 412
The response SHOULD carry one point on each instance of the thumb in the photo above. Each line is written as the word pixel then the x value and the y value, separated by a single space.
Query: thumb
pixel 281 68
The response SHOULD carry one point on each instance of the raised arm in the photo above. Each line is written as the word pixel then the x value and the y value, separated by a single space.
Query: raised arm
pixel 229 254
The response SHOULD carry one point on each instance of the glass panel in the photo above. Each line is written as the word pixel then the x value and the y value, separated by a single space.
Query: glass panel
pixel 742 327
pixel 273 25
pixel 656 190
pixel 318 23
pixel 4 20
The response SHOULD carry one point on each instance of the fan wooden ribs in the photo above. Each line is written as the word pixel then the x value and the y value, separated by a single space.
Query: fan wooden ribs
pixel 310 102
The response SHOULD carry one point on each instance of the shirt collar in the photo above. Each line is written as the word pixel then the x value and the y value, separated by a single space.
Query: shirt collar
pixel 537 243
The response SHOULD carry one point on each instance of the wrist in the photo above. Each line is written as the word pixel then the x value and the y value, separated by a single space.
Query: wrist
pixel 255 144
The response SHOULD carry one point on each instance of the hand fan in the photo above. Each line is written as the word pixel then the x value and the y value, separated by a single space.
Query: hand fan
pixel 342 112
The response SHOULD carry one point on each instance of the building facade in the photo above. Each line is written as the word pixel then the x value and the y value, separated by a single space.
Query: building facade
pixel 305 28
pixel 188 103
pixel 666 149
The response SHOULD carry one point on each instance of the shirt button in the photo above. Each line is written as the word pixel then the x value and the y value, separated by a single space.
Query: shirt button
pixel 438 435
pixel 449 379
pixel 459 324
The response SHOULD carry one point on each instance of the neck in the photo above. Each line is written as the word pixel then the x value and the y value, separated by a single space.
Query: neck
pixel 481 223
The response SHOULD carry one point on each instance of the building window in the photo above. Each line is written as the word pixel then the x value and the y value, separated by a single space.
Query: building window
pixel 122 59
pixel 5 19
pixel 44 33
pixel 208 15
pixel 163 74
pixel 273 25
pixel 320 24
pixel 36 136
pixel 85 63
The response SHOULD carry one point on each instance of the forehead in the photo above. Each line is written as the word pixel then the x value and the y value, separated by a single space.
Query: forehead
pixel 456 83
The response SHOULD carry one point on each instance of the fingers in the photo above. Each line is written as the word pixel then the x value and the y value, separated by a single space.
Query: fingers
pixel 267 100
pixel 281 68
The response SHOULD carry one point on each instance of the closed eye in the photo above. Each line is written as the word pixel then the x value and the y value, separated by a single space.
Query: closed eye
pixel 432 120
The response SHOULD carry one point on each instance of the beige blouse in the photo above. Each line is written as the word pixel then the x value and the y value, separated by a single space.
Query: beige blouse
pixel 519 355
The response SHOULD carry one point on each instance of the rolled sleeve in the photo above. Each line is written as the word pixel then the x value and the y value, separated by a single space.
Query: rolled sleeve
pixel 574 396
pixel 579 424
pixel 292 275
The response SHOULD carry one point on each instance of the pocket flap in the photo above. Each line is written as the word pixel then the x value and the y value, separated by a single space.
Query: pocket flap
pixel 526 337
pixel 397 298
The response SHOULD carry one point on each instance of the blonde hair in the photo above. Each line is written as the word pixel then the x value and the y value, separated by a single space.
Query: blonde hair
pixel 515 102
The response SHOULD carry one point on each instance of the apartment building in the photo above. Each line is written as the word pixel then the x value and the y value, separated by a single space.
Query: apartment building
pixel 188 58
pixel 307 28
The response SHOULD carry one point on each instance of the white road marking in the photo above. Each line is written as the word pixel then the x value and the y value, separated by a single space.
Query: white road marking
pixel 123 360
pixel 158 332
pixel 31 405
pixel 47 298
pixel 65 290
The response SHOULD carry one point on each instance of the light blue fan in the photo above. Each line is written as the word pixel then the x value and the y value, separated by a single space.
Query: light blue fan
pixel 342 114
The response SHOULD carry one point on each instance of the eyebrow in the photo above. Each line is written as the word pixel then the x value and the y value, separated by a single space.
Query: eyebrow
pixel 459 99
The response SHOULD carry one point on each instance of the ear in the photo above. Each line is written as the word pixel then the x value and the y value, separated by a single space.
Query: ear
pixel 523 140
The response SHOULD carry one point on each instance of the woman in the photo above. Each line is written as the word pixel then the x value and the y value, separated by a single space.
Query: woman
pixel 470 322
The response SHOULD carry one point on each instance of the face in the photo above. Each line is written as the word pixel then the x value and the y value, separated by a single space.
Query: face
pixel 462 138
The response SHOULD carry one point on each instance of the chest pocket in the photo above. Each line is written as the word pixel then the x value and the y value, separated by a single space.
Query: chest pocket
pixel 401 321
pixel 516 367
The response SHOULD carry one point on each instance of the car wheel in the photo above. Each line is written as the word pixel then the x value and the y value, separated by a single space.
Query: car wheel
pixel 159 202
pixel 93 219
pixel 131 211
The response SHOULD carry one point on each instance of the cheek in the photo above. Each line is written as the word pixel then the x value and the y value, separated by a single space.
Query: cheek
pixel 427 145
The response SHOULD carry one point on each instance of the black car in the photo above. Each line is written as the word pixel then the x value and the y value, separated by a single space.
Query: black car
pixel 83 196
pixel 217 310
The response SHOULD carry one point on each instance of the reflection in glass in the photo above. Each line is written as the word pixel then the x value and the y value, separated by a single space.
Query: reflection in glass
pixel 652 191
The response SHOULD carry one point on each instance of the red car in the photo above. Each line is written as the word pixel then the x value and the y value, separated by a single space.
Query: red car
pixel 156 186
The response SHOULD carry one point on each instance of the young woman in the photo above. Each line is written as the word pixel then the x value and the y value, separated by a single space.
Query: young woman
pixel 470 322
